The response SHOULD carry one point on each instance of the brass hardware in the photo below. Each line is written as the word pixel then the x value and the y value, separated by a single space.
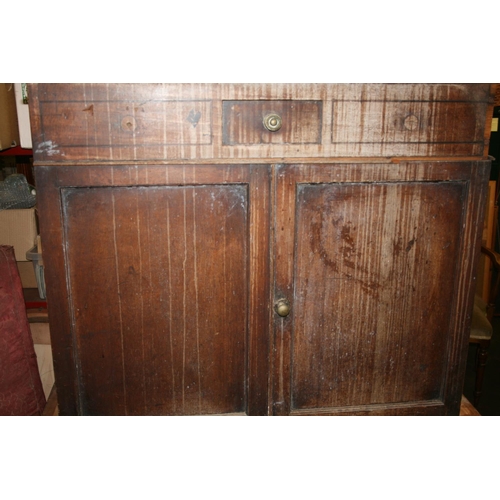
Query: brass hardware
pixel 282 307
pixel 272 122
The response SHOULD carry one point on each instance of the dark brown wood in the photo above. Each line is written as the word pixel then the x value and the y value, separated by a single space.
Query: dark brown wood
pixel 105 122
pixel 243 122
pixel 161 280
pixel 465 284
pixel 363 255
pixel 442 126
pixel 160 266
pixel 50 221
pixel 173 221
pixel 102 124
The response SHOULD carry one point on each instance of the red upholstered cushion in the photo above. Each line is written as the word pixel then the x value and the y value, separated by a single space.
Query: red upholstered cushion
pixel 21 391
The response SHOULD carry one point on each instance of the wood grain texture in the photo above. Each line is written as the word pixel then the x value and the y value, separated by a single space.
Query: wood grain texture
pixel 364 329
pixel 117 122
pixel 104 124
pixel 160 306
pixel 496 93
pixel 465 284
pixel 172 222
pixel 157 285
pixel 366 268
pixel 64 360
pixel 414 128
pixel 242 122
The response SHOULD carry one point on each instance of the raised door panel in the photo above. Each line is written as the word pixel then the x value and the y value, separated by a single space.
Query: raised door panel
pixel 373 261
pixel 164 291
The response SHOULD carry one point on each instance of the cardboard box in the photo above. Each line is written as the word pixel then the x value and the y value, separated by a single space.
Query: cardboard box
pixel 27 274
pixel 18 229
pixel 9 131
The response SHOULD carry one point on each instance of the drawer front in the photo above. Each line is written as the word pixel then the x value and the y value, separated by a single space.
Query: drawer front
pixel 116 122
pixel 97 127
pixel 395 126
pixel 243 122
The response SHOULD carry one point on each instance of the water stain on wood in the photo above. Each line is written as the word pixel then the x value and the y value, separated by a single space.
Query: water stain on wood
pixel 195 230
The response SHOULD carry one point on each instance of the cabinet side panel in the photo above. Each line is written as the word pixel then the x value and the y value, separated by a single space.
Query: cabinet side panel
pixel 373 288
pixel 157 278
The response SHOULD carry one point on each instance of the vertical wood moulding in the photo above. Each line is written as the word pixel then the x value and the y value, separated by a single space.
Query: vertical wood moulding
pixel 465 284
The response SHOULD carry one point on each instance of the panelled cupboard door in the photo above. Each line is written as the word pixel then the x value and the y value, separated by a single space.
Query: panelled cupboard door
pixel 374 261
pixel 166 303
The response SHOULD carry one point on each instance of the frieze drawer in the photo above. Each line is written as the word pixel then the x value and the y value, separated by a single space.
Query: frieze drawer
pixel 272 122
pixel 106 122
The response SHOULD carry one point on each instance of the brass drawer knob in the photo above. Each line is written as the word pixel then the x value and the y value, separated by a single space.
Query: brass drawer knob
pixel 282 307
pixel 272 122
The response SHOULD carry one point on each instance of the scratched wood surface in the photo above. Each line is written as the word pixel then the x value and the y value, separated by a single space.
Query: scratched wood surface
pixel 375 322
pixel 118 122
pixel 242 122
pixel 172 221
pixel 168 331
pixel 367 257
pixel 168 309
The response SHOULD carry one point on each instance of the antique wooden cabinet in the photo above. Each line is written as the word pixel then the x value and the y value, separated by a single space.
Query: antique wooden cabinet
pixel 260 249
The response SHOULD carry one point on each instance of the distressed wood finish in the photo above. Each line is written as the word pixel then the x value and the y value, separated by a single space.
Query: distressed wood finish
pixel 156 122
pixel 124 364
pixel 364 255
pixel 420 128
pixel 167 286
pixel 177 123
pixel 242 122
pixel 173 221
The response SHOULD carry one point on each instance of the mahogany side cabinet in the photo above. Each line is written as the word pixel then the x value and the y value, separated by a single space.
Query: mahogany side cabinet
pixel 260 249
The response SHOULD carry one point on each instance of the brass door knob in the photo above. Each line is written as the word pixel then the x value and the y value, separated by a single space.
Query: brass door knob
pixel 272 122
pixel 282 307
